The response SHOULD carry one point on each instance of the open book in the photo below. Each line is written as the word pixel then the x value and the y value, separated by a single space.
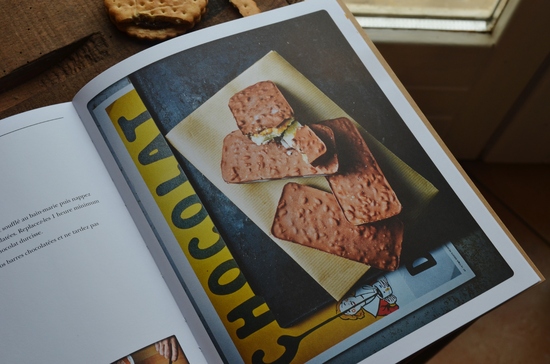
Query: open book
pixel 137 221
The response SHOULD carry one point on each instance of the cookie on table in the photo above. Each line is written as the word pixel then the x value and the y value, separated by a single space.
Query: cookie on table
pixel 155 19
pixel 246 7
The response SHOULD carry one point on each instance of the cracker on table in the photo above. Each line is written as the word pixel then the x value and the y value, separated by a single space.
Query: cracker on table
pixel 246 7
pixel 155 19
pixel 153 34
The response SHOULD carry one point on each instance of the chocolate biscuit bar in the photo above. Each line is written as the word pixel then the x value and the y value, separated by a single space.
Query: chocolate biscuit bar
pixel 360 187
pixel 244 161
pixel 313 218
pixel 304 139
pixel 261 111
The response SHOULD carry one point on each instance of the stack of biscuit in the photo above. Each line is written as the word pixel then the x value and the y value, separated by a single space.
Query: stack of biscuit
pixel 357 221
pixel 270 144
pixel 163 19
pixel 155 19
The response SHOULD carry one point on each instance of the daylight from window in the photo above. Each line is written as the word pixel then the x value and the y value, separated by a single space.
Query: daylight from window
pixel 451 15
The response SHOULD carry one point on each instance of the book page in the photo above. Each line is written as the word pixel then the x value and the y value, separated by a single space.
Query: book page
pixel 163 114
pixel 78 284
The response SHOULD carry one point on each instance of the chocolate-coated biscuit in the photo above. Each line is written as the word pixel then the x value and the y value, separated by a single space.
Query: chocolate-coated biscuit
pixel 313 218
pixel 309 144
pixel 360 187
pixel 261 109
pixel 244 161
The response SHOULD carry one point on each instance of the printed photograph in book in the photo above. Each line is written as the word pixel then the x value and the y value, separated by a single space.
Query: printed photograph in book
pixel 164 351
pixel 274 168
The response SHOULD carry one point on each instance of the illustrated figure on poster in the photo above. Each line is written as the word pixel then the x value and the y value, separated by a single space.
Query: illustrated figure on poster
pixel 377 299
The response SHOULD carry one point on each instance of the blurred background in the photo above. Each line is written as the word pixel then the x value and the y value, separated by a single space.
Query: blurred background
pixel 479 71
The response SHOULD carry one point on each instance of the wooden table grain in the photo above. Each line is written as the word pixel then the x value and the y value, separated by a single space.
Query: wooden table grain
pixel 49 50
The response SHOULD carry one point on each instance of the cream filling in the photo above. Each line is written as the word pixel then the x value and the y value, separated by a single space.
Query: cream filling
pixel 288 138
pixel 271 133
pixel 289 134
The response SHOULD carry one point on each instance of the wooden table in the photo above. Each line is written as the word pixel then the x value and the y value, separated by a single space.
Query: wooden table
pixel 49 50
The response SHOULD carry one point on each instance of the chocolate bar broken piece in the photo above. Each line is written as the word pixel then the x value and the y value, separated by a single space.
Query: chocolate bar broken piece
pixel 304 139
pixel 313 218
pixel 244 161
pixel 360 187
